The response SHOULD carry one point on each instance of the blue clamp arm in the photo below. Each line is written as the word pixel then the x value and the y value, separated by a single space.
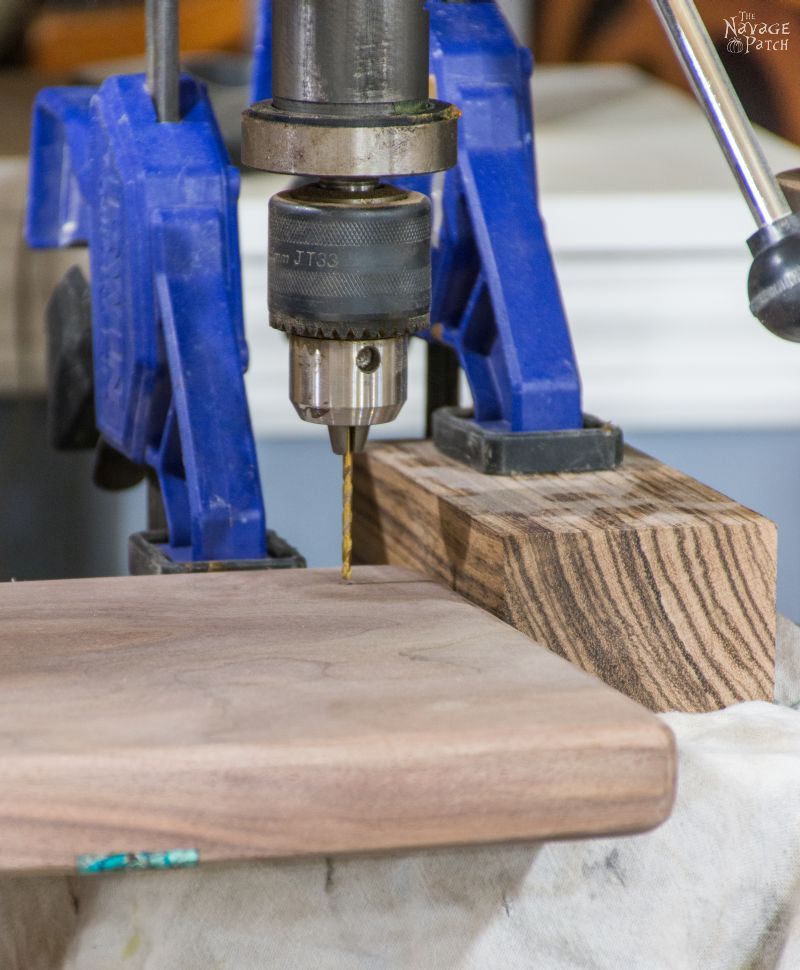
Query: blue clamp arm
pixel 220 484
pixel 496 297
pixel 60 170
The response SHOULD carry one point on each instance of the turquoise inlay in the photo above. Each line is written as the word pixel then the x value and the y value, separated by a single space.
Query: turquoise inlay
pixel 132 861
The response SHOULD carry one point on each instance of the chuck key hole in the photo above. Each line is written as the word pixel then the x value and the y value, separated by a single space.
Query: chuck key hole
pixel 368 360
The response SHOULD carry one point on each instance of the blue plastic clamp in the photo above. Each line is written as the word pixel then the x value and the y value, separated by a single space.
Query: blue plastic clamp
pixel 156 204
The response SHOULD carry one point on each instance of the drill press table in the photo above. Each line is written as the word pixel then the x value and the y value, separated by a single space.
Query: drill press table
pixel 244 715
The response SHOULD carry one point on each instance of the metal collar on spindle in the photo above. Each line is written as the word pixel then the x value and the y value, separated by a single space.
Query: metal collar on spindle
pixel 350 93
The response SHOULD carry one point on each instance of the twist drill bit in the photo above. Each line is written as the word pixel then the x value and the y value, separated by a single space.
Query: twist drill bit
pixel 347 509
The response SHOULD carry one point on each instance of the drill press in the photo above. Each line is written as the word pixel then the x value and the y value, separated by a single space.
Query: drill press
pixel 349 255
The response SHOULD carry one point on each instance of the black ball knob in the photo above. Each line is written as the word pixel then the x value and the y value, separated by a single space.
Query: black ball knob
pixel 774 281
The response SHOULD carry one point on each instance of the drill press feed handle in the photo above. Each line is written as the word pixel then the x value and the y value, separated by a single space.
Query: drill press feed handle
pixel 774 280
pixel 156 204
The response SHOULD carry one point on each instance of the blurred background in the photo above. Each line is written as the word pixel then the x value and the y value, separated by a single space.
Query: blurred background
pixel 648 233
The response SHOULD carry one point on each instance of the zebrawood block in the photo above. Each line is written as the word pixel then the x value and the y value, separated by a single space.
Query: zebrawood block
pixel 659 585
pixel 241 715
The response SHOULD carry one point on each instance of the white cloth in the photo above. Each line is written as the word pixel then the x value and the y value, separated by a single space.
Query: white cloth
pixel 717 886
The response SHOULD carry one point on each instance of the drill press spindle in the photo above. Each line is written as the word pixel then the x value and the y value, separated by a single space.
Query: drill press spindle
pixel 349 255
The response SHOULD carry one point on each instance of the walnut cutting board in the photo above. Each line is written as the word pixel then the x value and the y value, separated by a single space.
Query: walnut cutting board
pixel 264 714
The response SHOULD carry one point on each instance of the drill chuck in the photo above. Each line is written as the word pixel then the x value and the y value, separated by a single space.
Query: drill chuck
pixel 349 266
pixel 349 280
pixel 348 384
pixel 349 256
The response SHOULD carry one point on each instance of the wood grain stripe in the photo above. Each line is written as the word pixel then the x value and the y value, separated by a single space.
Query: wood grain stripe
pixel 660 585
